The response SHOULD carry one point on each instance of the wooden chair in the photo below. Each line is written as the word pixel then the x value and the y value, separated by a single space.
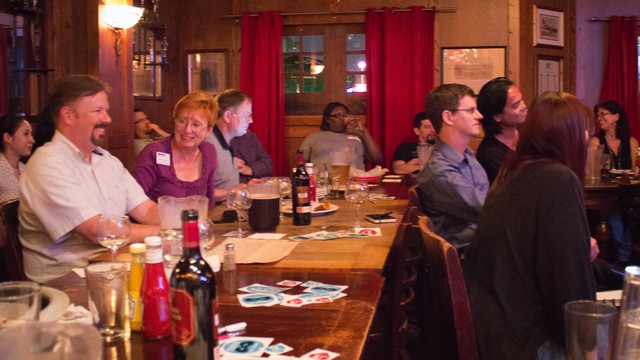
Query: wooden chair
pixel 448 329
pixel 388 338
pixel 11 268
pixel 414 197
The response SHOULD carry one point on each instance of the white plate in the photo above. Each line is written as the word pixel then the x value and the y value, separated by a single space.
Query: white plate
pixel 331 210
pixel 621 171
pixel 57 302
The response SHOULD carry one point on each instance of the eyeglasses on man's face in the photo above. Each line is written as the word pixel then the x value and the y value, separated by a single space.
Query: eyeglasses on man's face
pixel 470 111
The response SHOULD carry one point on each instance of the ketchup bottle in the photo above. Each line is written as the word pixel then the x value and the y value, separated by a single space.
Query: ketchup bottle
pixel 154 293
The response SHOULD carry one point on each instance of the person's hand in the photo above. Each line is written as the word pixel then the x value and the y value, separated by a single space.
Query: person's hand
pixel 154 127
pixel 242 167
pixel 353 124
pixel 255 181
pixel 595 250
pixel 414 161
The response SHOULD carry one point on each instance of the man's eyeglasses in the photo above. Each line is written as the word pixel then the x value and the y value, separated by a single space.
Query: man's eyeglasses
pixel 602 114
pixel 246 116
pixel 470 111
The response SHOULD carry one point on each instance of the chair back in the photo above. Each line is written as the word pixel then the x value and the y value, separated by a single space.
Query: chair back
pixel 414 197
pixel 11 267
pixel 412 215
pixel 448 331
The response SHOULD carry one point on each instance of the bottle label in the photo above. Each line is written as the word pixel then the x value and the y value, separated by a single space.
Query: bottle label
pixel 303 209
pixel 182 317
pixel 303 194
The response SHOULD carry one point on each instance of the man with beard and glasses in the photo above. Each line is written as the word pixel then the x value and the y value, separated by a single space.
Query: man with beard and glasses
pixel 71 181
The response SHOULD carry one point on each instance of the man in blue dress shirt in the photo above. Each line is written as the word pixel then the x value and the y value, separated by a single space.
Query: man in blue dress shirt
pixel 453 184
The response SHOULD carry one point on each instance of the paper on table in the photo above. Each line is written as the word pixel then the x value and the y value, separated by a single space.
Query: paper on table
pixel 79 272
pixel 249 251
pixel 273 236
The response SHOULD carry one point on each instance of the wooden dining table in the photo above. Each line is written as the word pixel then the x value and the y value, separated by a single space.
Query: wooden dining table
pixel 340 326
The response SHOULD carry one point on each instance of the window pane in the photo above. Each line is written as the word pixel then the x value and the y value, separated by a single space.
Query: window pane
pixel 290 44
pixel 313 64
pixel 313 43
pixel 356 42
pixel 356 62
pixel 313 84
pixel 291 63
pixel 291 84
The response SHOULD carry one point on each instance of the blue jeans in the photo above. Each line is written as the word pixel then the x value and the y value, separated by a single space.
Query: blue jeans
pixel 621 238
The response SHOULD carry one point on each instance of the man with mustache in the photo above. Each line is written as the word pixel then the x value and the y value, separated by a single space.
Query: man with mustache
pixel 454 185
pixel 71 181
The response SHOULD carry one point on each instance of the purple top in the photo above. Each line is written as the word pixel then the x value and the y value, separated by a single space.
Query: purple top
pixel 158 180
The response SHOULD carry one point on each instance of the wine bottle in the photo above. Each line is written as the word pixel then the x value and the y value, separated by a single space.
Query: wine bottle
pixel 301 204
pixel 194 306
pixel 135 282
pixel 156 320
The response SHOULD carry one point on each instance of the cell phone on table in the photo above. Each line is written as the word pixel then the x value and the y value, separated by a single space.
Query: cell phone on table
pixel 380 218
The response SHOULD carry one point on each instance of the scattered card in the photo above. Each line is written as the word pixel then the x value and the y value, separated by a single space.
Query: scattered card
pixel 254 300
pixel 263 289
pixel 289 283
pixel 320 354
pixel 244 346
pixel 311 283
pixel 369 231
pixel 326 288
pixel 278 349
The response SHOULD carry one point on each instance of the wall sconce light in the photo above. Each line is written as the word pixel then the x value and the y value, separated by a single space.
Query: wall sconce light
pixel 121 17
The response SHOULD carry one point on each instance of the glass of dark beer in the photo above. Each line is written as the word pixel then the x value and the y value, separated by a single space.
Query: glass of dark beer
pixel 264 214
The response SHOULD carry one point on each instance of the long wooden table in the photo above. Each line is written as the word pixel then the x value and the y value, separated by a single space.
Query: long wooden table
pixel 340 326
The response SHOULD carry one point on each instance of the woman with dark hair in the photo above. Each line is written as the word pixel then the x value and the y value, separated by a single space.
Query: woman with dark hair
pixel 615 135
pixel 532 249
pixel 340 130
pixel 17 142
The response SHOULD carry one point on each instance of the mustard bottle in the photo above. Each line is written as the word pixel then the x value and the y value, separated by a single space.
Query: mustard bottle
pixel 135 281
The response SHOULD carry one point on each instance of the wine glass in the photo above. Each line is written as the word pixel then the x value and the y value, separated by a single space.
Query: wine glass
pixel 356 192
pixel 284 185
pixel 239 200
pixel 113 232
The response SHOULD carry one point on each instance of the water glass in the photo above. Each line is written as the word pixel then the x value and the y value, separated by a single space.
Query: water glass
pixel 322 186
pixel 171 247
pixel 589 329
pixel 113 232
pixel 107 291
pixel 20 300
pixel 335 187
pixel 47 340
pixel 356 193
pixel 628 339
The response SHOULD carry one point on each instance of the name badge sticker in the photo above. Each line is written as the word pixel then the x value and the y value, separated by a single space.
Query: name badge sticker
pixel 163 158
pixel 354 137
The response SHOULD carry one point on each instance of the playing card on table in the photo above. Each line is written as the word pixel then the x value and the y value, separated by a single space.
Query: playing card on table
pixel 320 354
pixel 326 288
pixel 262 289
pixel 292 301
pixel 254 300
pixel 244 346
pixel 311 283
pixel 289 283
pixel 278 349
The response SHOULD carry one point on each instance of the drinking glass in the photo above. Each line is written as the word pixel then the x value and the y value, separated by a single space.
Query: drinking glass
pixel 356 192
pixel 113 232
pixel 284 184
pixel 239 200
pixel 19 300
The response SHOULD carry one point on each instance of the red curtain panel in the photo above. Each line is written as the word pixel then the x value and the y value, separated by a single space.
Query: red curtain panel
pixel 400 72
pixel 620 81
pixel 261 77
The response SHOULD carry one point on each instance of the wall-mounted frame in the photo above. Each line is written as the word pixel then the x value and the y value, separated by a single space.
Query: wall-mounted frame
pixel 473 66
pixel 207 70
pixel 548 74
pixel 548 27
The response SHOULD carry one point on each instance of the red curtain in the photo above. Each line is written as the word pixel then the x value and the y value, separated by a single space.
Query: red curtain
pixel 261 77
pixel 4 71
pixel 621 74
pixel 399 72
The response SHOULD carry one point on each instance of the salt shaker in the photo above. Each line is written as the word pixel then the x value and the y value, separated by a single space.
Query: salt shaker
pixel 229 262
pixel 628 337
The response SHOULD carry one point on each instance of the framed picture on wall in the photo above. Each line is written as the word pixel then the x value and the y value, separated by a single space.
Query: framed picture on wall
pixel 548 27
pixel 473 66
pixel 207 71
pixel 548 74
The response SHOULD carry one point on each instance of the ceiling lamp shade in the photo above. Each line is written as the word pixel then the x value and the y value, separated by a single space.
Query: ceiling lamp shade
pixel 121 16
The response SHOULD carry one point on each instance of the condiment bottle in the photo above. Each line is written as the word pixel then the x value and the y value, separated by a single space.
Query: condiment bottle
pixel 312 182
pixel 156 315
pixel 229 258
pixel 194 306
pixel 135 282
